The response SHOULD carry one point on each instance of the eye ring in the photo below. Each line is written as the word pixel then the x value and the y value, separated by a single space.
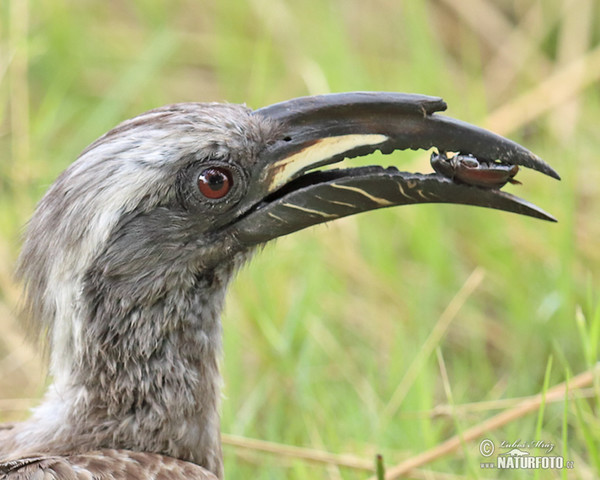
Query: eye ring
pixel 214 182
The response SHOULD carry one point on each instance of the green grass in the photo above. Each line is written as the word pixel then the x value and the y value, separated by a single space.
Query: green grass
pixel 322 326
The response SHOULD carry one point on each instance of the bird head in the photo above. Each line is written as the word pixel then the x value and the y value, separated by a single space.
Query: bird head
pixel 176 197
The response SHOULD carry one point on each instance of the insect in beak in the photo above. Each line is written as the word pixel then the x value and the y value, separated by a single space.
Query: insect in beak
pixel 467 169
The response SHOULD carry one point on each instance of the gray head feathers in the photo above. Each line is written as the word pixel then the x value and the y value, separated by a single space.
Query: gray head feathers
pixel 130 171
pixel 123 271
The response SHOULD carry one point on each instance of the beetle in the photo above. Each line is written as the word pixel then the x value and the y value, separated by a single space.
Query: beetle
pixel 465 168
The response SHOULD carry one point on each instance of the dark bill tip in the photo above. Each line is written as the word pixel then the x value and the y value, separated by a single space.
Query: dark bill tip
pixel 384 121
pixel 288 195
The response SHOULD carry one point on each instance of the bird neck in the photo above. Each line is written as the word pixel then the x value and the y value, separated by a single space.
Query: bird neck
pixel 146 377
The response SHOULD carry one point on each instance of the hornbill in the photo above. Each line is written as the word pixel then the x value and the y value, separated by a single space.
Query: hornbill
pixel 128 256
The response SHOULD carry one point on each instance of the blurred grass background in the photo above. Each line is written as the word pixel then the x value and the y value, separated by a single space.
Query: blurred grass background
pixel 328 333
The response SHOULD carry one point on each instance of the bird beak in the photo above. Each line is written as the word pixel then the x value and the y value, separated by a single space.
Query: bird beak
pixel 287 193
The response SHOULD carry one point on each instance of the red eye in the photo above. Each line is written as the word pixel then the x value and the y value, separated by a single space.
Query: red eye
pixel 215 182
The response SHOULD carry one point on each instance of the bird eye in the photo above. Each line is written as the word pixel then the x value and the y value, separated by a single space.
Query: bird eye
pixel 215 182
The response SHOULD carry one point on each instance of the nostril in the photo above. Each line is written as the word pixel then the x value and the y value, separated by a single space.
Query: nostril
pixel 287 139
